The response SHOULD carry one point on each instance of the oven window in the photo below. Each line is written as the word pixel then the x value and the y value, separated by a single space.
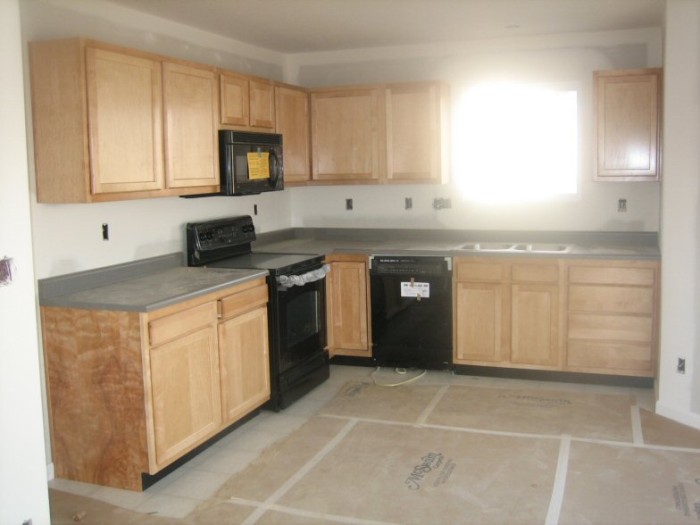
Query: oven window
pixel 303 319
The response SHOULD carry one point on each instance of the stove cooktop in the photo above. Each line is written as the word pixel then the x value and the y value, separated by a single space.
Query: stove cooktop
pixel 275 263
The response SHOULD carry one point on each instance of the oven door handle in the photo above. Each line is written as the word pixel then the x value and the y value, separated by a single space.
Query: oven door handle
pixel 287 281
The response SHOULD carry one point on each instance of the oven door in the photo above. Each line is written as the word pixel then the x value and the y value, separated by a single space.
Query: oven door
pixel 302 322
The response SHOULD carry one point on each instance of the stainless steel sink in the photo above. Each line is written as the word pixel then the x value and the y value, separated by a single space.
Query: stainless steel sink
pixel 515 247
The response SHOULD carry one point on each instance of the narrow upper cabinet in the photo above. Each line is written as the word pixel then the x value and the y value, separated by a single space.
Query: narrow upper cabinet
pixel 347 134
pixel 247 102
pixel 628 124
pixel 191 142
pixel 416 132
pixel 97 117
pixel 292 120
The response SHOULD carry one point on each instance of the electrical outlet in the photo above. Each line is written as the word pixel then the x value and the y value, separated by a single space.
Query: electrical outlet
pixel 680 367
pixel 255 209
pixel 348 204
pixel 442 204
pixel 622 205
pixel 105 232
pixel 409 203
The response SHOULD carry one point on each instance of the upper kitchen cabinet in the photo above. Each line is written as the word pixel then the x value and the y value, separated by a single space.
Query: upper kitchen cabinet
pixel 292 119
pixel 416 132
pixel 247 102
pixel 628 124
pixel 395 133
pixel 98 119
pixel 191 141
pixel 347 135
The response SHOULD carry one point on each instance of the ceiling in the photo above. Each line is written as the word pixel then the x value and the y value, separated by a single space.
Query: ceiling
pixel 299 26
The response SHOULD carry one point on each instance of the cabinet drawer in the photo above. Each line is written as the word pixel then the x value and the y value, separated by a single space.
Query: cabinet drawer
pixel 609 356
pixel 176 325
pixel 610 328
pixel 240 302
pixel 612 275
pixel 480 271
pixel 535 273
pixel 613 299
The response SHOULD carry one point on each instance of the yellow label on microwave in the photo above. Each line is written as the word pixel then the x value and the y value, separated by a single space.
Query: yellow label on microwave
pixel 258 165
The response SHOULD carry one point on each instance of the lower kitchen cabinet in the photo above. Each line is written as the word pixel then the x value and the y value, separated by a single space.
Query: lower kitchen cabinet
pixel 613 317
pixel 348 314
pixel 183 369
pixel 507 312
pixel 131 392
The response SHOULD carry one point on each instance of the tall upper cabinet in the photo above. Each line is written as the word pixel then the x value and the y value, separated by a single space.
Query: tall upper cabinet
pixel 99 115
pixel 292 121
pixel 628 124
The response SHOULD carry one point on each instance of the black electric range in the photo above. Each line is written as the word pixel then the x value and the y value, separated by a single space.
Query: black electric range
pixel 297 305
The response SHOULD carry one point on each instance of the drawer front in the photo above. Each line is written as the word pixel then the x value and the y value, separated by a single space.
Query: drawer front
pixel 611 328
pixel 612 275
pixel 613 357
pixel 535 273
pixel 613 299
pixel 480 271
pixel 178 324
pixel 238 303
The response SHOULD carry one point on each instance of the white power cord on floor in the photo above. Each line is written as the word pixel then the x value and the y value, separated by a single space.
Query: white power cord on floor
pixel 400 371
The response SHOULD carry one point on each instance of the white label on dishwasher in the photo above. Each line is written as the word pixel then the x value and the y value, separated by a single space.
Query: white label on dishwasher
pixel 414 289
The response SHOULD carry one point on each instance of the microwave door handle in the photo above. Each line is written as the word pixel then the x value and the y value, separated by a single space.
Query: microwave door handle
pixel 275 168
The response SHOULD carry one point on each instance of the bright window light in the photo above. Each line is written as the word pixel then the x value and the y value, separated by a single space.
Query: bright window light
pixel 516 142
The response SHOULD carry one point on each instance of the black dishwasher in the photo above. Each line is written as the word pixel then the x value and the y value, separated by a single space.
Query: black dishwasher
pixel 411 311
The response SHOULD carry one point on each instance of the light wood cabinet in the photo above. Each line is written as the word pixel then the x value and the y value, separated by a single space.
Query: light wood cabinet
pixel 109 124
pixel 628 124
pixel 244 352
pixel 396 133
pixel 416 133
pixel 348 314
pixel 247 102
pixel 182 369
pixel 292 118
pixel 612 317
pixel 191 136
pixel 131 392
pixel 507 312
pixel 347 130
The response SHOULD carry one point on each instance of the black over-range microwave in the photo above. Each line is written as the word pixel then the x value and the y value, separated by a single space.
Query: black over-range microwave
pixel 249 163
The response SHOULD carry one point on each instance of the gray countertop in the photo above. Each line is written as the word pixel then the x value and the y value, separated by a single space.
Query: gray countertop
pixel 141 286
pixel 324 241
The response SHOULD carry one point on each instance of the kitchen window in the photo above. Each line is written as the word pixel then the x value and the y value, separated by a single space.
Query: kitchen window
pixel 516 142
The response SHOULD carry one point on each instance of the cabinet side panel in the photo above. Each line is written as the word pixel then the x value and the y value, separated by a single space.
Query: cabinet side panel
pixel 59 121
pixel 96 395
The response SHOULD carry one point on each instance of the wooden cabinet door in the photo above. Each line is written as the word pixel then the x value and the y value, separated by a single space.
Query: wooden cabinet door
pixel 262 105
pixel 346 135
pixel 184 391
pixel 479 323
pixel 612 317
pixel 535 325
pixel 348 313
pixel 628 124
pixel 245 363
pixel 292 119
pixel 234 99
pixel 416 132
pixel 191 123
pixel 124 121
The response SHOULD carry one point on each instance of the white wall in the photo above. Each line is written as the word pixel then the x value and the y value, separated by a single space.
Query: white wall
pixel 566 60
pixel 679 395
pixel 68 237
pixel 23 491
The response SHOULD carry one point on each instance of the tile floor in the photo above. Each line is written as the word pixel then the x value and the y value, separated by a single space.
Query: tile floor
pixel 208 474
